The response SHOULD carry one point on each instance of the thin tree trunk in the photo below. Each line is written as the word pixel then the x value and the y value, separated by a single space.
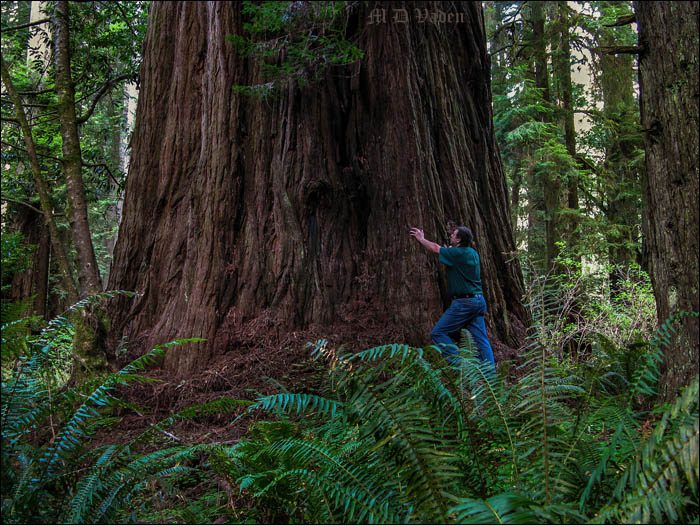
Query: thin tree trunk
pixel 116 161
pixel 622 182
pixel 544 188
pixel 668 85
pixel 41 186
pixel 88 271
pixel 562 67
pixel 246 219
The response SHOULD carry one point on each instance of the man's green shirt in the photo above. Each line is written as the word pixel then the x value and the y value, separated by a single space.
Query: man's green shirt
pixel 463 269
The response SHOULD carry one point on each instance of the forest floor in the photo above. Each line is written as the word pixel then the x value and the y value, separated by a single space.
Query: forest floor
pixel 253 366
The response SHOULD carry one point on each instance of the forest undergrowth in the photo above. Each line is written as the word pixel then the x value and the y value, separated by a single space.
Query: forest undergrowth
pixel 568 432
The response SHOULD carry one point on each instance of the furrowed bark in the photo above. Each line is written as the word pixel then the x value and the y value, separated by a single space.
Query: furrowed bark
pixel 668 86
pixel 293 213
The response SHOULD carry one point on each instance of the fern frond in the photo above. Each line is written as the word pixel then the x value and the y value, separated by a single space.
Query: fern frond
pixel 89 485
pixel 501 508
pixel 298 404
pixel 387 351
pixel 355 505
pixel 646 376
pixel 77 428
pixel 545 420
pixel 663 481
pixel 399 421
pixel 152 357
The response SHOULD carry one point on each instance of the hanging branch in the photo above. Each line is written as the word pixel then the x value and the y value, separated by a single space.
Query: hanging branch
pixel 25 26
pixel 623 20
pixel 109 172
pixel 17 201
pixel 19 148
pixel 100 93
pixel 620 50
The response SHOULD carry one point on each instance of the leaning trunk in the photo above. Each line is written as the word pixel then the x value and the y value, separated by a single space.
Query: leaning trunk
pixel 248 218
pixel 668 88
pixel 88 272
pixel 42 187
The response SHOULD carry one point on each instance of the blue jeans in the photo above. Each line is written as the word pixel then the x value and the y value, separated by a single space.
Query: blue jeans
pixel 463 313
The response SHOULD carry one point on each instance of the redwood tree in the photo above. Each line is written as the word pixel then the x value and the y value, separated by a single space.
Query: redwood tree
pixel 292 212
pixel 668 88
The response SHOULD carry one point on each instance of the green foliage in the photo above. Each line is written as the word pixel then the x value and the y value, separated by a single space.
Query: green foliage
pixel 401 437
pixel 50 474
pixel 106 41
pixel 15 257
pixel 605 224
pixel 396 435
pixel 294 42
pixel 661 484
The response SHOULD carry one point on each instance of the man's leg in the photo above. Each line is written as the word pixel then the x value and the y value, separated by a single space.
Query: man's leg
pixel 477 327
pixel 451 321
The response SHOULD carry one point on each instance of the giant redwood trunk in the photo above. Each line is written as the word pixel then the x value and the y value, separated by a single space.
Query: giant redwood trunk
pixel 668 86
pixel 289 214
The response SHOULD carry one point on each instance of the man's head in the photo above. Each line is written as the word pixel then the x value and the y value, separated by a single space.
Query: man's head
pixel 461 236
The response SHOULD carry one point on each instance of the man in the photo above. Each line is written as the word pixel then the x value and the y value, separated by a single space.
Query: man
pixel 464 283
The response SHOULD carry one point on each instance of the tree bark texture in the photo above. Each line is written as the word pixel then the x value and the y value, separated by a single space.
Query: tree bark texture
pixel 88 271
pixel 293 212
pixel 668 82
pixel 33 280
pixel 544 187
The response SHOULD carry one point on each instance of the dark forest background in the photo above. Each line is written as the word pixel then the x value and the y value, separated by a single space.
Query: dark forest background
pixel 212 310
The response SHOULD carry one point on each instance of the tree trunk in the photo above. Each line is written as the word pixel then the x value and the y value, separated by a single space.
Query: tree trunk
pixel 116 152
pixel 668 84
pixel 622 178
pixel 246 217
pixel 34 280
pixel 88 271
pixel 544 189
pixel 42 188
pixel 561 61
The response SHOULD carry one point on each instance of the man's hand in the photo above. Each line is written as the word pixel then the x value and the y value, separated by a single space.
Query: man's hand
pixel 418 234
pixel 420 237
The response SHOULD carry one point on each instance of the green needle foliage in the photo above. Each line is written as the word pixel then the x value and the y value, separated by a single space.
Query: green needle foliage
pixel 294 42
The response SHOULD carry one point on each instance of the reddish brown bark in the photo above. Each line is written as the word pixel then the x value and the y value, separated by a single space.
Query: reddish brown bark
pixel 34 280
pixel 668 85
pixel 293 213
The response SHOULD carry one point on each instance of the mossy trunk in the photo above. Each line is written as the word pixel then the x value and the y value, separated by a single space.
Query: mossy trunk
pixel 72 161
pixel 91 328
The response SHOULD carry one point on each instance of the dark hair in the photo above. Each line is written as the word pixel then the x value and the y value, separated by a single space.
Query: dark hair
pixel 465 235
